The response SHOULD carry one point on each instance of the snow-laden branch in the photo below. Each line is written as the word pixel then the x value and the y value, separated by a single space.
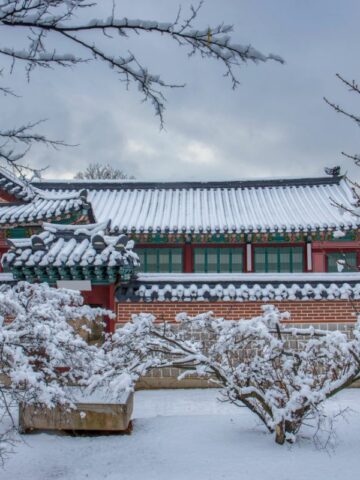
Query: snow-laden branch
pixel 45 21
pixel 41 24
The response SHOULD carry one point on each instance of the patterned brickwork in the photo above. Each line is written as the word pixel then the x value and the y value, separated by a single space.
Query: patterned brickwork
pixel 313 312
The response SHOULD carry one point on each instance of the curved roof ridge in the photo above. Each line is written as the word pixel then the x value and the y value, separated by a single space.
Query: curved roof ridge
pixel 136 184
pixel 88 229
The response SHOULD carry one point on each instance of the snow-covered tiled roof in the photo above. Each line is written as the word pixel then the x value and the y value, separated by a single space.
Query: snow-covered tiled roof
pixel 36 204
pixel 234 206
pixel 243 287
pixel 70 246
pixel 43 206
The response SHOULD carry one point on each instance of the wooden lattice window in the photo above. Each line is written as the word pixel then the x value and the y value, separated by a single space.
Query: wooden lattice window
pixel 278 259
pixel 218 260
pixel 160 260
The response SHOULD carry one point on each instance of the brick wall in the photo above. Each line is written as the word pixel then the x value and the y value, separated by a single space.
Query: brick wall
pixel 327 315
pixel 317 311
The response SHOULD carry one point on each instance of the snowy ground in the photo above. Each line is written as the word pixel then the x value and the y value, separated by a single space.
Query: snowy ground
pixel 187 434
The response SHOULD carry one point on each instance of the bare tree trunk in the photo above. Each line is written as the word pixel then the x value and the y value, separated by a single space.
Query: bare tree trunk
pixel 280 433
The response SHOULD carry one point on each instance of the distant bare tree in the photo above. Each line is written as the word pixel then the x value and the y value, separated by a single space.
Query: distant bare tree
pixel 97 171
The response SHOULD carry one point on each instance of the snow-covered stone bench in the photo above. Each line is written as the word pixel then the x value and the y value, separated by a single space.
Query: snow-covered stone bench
pixel 92 413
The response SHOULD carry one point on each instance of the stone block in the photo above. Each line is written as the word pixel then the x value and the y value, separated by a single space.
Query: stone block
pixel 94 413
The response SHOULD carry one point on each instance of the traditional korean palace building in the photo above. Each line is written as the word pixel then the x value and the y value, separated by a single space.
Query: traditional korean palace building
pixel 188 246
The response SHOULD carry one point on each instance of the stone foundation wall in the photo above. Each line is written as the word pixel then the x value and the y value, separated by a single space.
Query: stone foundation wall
pixel 324 314
pixel 167 377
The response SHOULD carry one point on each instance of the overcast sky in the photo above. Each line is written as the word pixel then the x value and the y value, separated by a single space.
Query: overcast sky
pixel 274 124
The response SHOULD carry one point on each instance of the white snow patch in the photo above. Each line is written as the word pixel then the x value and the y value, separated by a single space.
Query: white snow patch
pixel 187 434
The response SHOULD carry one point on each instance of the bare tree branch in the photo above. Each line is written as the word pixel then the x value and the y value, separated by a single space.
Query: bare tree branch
pixel 341 110
pixel 15 143
pixel 353 86
pixel 354 210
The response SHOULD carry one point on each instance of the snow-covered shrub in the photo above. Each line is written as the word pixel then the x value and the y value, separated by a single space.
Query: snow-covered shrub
pixel 282 374
pixel 124 357
pixel 40 350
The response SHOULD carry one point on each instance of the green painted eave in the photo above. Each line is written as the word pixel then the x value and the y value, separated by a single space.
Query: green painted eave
pixel 97 275
pixel 26 230
pixel 238 238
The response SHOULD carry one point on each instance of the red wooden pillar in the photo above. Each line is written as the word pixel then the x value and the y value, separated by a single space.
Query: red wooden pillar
pixel 188 258
pixel 111 323
pixel 4 247
pixel 103 296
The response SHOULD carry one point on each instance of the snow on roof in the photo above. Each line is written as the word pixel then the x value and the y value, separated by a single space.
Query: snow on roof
pixel 88 229
pixel 309 277
pixel 44 205
pixel 38 204
pixel 70 247
pixel 234 206
pixel 244 287
pixel 6 277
